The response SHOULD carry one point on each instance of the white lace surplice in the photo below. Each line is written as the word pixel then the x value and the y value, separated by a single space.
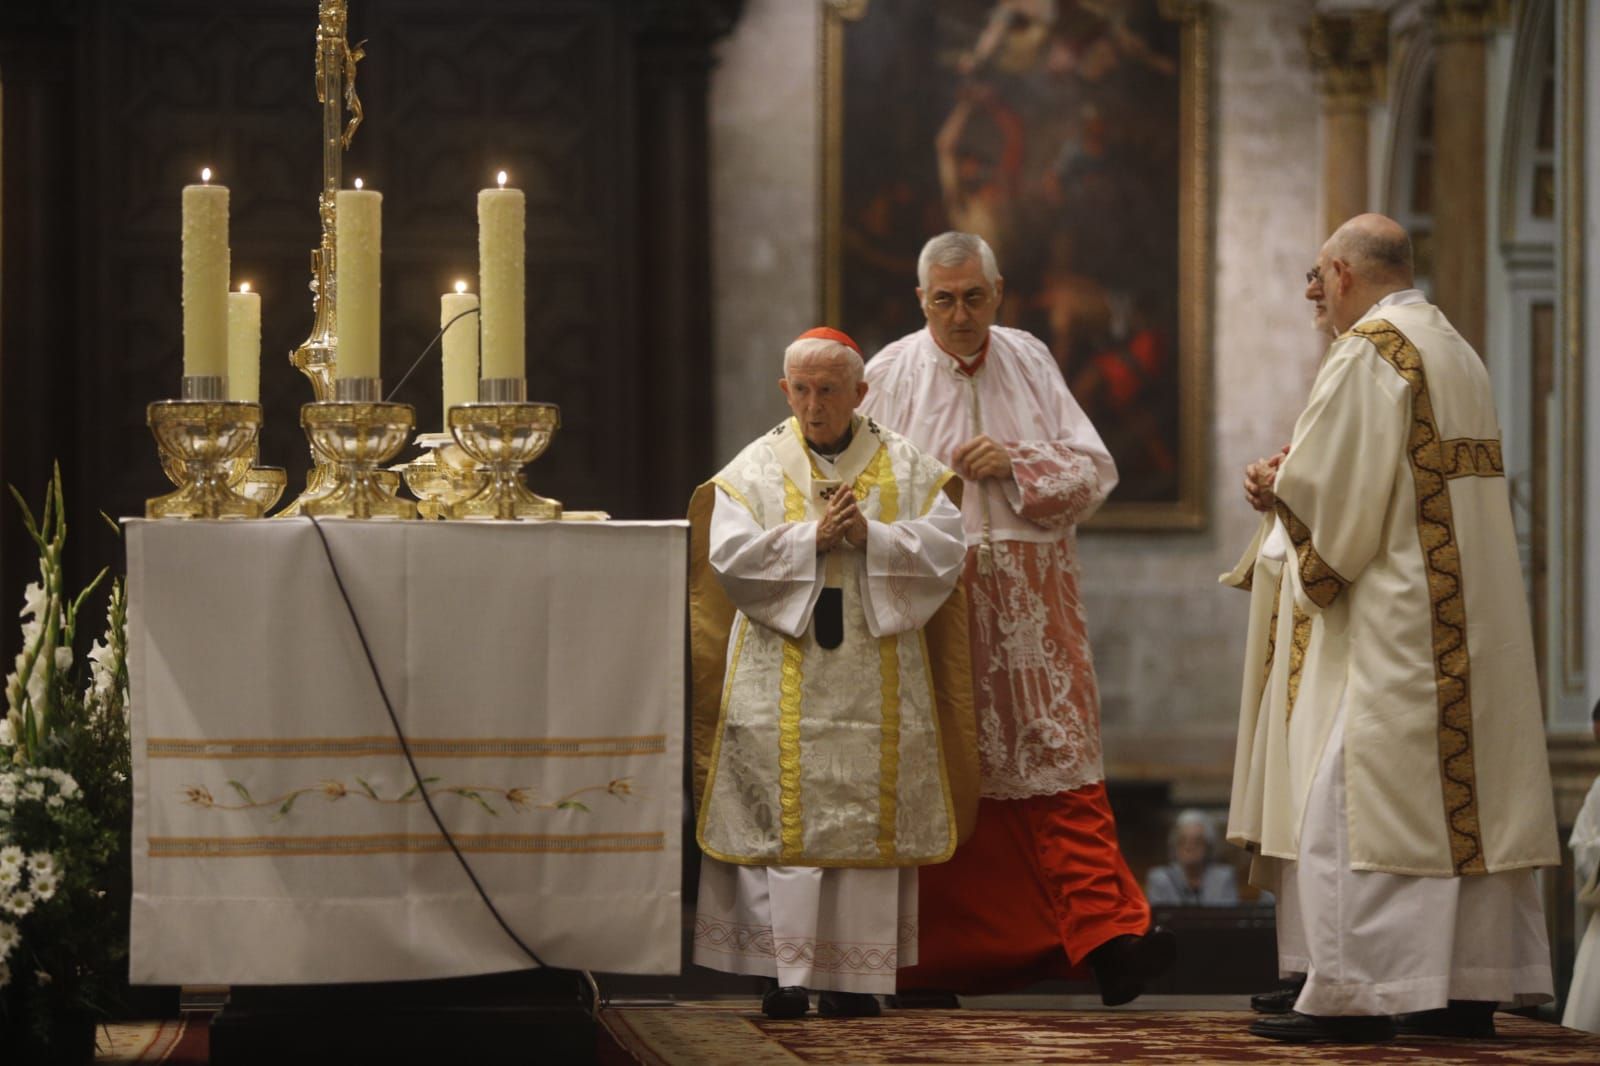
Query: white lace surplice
pixel 1038 707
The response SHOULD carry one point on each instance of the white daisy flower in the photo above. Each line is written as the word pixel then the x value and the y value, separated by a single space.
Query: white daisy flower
pixel 10 878
pixel 42 864
pixel 9 938
pixel 11 857
pixel 44 887
pixel 20 904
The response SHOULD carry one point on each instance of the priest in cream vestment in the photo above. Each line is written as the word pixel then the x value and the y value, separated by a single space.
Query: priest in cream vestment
pixel 826 783
pixel 1391 769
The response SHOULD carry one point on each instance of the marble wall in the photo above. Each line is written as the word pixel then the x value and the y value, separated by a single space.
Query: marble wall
pixel 1167 638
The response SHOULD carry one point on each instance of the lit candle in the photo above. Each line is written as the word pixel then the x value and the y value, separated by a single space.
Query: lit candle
pixel 501 279
pixel 460 347
pixel 358 243
pixel 205 278
pixel 244 345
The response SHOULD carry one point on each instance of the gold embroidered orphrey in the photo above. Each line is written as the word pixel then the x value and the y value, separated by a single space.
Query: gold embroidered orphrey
pixel 1452 667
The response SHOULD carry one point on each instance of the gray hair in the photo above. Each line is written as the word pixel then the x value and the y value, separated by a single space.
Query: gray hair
pixel 809 349
pixel 1189 819
pixel 951 250
pixel 1376 248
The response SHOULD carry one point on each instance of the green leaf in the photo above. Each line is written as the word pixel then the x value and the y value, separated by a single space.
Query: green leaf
pixel 412 791
pixel 244 793
pixel 368 789
pixel 572 805
pixel 288 805
pixel 472 795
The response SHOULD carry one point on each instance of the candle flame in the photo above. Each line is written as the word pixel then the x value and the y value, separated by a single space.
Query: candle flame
pixel 358 183
pixel 244 286
pixel 461 286
pixel 501 178
pixel 205 175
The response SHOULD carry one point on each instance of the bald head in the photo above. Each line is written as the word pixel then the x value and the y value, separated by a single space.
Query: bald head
pixel 1365 260
pixel 1376 248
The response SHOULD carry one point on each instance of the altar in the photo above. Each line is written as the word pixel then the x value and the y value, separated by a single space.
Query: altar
pixel 279 834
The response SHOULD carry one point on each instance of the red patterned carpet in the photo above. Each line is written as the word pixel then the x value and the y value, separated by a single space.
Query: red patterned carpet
pixel 724 1034
pixel 177 1043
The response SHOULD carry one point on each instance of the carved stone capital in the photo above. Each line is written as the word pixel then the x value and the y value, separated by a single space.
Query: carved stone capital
pixel 1453 19
pixel 1349 51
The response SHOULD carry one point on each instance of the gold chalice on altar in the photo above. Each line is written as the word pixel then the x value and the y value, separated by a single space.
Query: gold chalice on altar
pixel 502 438
pixel 201 444
pixel 355 438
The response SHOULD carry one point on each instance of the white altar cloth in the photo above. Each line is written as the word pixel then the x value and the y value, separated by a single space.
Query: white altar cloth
pixel 537 670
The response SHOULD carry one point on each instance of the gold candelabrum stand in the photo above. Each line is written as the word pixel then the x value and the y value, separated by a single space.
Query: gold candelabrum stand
pixel 502 433
pixel 353 436
pixel 206 443
pixel 317 357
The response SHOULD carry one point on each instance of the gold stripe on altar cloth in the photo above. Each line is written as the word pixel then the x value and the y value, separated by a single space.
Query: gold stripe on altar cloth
pixel 403 844
pixel 433 747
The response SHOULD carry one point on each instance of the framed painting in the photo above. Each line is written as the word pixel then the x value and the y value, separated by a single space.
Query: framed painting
pixel 1073 136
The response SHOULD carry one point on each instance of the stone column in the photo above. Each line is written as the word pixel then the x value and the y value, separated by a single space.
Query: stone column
pixel 1348 50
pixel 1460 190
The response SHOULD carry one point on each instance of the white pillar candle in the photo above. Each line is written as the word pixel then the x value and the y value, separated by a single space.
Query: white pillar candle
pixel 205 279
pixel 244 345
pixel 460 348
pixel 502 279
pixel 358 243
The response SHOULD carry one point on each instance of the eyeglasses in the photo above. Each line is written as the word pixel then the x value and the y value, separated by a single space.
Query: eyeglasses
pixel 973 300
pixel 1314 276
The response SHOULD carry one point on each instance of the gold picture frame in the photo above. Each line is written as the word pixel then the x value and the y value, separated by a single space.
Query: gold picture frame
pixel 1181 503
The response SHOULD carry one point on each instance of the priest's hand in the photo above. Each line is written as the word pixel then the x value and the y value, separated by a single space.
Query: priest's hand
pixel 981 458
pixel 843 521
pixel 1260 477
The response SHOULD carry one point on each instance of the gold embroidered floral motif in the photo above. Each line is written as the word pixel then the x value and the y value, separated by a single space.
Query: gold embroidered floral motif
pixel 889 745
pixel 517 798
pixel 1452 667
pixel 791 817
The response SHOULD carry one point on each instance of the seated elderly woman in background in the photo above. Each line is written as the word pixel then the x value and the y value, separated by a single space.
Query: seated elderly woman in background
pixel 1192 878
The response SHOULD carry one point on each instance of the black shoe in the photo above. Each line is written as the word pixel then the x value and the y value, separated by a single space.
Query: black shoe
pixel 1124 963
pixel 1465 1018
pixel 790 1001
pixel 1297 1028
pixel 924 1000
pixel 1280 1000
pixel 832 1004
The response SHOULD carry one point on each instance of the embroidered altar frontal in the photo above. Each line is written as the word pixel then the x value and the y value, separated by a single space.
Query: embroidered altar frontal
pixel 279 836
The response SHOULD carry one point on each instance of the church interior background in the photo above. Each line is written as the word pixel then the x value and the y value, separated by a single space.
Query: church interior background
pixel 675 155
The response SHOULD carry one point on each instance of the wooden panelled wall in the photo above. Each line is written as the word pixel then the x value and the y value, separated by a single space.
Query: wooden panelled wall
pixel 596 107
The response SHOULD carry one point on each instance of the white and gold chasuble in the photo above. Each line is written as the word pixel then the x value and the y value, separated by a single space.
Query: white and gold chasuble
pixel 830 757
pixel 1389 577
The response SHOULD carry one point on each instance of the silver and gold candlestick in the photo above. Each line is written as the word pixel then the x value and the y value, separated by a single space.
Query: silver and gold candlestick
pixel 355 436
pixel 202 439
pixel 503 433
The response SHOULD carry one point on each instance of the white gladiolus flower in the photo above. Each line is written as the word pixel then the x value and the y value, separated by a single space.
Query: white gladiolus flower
pixel 33 790
pixel 55 803
pixel 69 787
pixel 34 600
pixel 8 733
pixel 63 660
